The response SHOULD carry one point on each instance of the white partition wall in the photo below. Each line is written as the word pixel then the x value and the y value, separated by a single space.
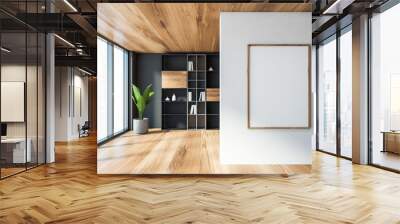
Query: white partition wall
pixel 240 144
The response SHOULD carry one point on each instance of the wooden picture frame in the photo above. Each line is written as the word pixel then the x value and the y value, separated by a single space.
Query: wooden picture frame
pixel 307 124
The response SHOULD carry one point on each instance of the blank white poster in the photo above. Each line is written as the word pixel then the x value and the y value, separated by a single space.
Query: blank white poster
pixel 12 101
pixel 279 91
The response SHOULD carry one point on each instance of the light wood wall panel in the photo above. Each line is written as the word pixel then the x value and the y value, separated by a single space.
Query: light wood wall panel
pixel 174 27
pixel 213 94
pixel 174 79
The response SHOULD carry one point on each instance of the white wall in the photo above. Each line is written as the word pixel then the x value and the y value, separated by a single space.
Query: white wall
pixel 80 82
pixel 66 119
pixel 238 144
pixel 62 81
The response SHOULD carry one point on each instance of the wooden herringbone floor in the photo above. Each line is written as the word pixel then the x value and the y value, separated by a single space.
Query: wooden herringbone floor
pixel 70 191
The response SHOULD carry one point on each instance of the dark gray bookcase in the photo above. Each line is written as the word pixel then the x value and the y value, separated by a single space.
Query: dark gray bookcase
pixel 203 73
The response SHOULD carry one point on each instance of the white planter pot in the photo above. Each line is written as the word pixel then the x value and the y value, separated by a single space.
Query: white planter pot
pixel 140 126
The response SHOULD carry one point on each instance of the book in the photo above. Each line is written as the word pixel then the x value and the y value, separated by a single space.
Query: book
pixel 202 96
pixel 193 109
pixel 190 65
pixel 189 96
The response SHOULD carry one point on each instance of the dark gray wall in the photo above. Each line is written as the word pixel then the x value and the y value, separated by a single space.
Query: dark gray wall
pixel 148 71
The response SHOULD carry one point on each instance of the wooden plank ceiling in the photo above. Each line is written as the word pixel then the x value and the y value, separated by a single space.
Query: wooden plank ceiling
pixel 174 27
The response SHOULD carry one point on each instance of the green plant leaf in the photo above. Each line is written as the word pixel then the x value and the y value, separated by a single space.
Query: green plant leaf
pixel 141 100
pixel 133 97
pixel 136 92
pixel 149 97
pixel 146 94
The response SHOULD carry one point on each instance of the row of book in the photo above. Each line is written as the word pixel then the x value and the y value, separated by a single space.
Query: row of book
pixel 191 67
pixel 202 97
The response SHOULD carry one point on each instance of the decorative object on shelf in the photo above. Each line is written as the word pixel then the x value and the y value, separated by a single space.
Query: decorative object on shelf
pixel 193 109
pixel 167 99
pixel 190 66
pixel 202 97
pixel 141 124
pixel 173 97
pixel 210 69
pixel 189 96
pixel 181 99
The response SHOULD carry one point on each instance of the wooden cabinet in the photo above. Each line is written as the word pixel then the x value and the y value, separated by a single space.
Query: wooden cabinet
pixel 391 142
pixel 174 79
pixel 212 94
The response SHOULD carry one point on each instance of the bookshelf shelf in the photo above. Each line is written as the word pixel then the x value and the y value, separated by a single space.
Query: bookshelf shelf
pixel 174 101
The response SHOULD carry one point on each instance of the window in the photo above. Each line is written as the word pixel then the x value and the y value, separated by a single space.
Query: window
pixel 120 90
pixel 385 89
pixel 346 93
pixel 118 97
pixel 394 117
pixel 112 94
pixel 102 71
pixel 327 96
pixel 335 74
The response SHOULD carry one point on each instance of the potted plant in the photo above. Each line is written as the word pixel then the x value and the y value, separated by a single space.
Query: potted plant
pixel 141 124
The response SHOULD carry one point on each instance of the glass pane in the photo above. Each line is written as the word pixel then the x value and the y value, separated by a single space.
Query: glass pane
pixel 32 88
pixel 102 68
pixel 346 94
pixel 41 98
pixel 327 97
pixel 118 90
pixel 13 87
pixel 385 93
pixel 31 98
pixel 126 93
